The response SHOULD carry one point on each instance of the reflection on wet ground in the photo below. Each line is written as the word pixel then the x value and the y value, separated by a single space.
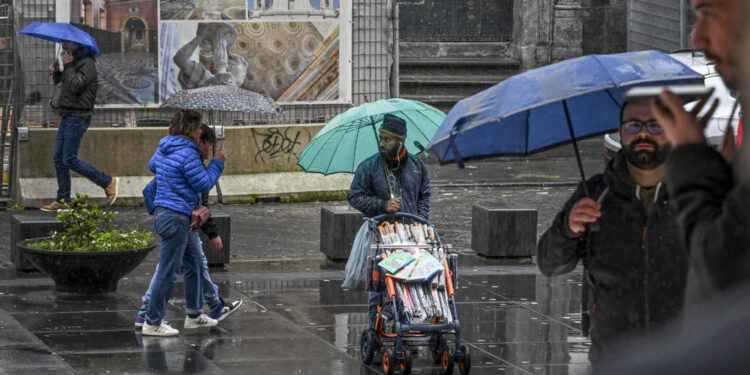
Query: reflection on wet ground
pixel 297 320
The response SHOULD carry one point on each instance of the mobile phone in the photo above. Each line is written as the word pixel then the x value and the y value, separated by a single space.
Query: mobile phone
pixel 688 93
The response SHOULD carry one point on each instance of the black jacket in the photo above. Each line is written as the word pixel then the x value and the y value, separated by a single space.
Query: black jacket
pixel 637 265
pixel 713 214
pixel 79 83
pixel 209 227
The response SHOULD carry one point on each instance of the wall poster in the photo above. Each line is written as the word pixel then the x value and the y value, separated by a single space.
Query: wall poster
pixel 126 32
pixel 295 51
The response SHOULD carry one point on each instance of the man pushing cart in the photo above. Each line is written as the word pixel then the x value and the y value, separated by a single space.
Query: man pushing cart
pixel 394 184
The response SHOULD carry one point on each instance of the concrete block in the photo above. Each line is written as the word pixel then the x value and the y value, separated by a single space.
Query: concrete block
pixel 29 225
pixel 338 227
pixel 502 232
pixel 289 186
pixel 224 226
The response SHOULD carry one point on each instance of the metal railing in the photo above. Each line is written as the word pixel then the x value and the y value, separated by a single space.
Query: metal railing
pixel 7 97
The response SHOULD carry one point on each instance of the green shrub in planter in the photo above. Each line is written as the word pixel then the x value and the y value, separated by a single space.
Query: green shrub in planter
pixel 88 228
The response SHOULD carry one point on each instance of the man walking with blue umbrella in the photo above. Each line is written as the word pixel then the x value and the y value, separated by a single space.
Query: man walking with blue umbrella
pixel 77 93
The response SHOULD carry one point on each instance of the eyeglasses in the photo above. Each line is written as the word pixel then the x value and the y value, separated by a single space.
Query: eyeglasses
pixel 633 127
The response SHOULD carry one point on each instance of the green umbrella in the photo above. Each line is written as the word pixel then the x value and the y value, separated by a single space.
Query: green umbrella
pixel 352 136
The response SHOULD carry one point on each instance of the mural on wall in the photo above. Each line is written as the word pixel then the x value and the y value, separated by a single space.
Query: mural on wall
pixel 202 9
pixel 261 8
pixel 289 61
pixel 126 32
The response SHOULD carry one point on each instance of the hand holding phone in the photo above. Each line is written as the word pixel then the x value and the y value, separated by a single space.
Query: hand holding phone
pixel 687 93
pixel 680 126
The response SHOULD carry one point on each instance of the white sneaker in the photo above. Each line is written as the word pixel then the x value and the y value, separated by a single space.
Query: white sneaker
pixel 162 329
pixel 222 311
pixel 201 321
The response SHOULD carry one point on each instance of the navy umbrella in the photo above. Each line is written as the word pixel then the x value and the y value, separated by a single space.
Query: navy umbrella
pixel 57 32
pixel 551 105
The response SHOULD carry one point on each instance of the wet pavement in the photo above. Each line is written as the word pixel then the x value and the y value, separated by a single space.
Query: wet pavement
pixel 295 317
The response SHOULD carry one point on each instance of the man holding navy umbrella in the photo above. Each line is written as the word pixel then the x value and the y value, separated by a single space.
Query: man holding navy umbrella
pixel 75 104
pixel 636 263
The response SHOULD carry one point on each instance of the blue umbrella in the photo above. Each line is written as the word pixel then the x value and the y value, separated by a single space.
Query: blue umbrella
pixel 57 32
pixel 551 105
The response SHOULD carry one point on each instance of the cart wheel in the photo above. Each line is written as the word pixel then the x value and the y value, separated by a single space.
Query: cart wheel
pixel 464 363
pixel 406 362
pixel 436 347
pixel 367 346
pixel 446 359
pixel 389 361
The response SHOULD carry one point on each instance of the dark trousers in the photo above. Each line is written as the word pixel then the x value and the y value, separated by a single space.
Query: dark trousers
pixel 69 134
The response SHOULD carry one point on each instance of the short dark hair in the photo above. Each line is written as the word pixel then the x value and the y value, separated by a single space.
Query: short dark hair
pixel 208 135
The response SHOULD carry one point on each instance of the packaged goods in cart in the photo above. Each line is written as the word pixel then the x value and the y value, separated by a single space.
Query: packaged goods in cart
pixel 404 273
pixel 426 266
pixel 396 261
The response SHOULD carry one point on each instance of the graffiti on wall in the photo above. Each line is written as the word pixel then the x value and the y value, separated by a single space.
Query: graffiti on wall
pixel 274 143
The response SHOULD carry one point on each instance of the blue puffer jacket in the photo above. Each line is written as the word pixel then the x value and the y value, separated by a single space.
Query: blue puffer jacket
pixel 179 170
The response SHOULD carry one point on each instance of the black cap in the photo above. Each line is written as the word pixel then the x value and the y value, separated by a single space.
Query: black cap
pixel 394 125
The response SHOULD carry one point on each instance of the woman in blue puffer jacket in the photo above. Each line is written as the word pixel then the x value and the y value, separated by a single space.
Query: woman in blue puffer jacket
pixel 181 179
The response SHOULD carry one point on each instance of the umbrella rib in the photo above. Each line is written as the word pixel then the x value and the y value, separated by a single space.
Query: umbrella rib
pixel 344 129
pixel 356 143
pixel 419 128
pixel 320 150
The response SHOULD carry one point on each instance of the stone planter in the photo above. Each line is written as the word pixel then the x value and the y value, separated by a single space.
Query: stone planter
pixel 84 272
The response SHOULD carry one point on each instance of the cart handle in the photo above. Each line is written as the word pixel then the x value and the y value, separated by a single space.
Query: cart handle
pixel 401 214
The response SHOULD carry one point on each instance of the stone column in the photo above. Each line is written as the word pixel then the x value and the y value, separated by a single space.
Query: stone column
pixel 546 31
pixel 567 31
pixel 532 21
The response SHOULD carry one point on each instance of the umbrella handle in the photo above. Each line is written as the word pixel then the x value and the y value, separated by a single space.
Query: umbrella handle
pixel 454 148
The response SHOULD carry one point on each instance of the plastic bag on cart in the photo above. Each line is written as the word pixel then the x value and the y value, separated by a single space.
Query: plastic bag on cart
pixel 356 266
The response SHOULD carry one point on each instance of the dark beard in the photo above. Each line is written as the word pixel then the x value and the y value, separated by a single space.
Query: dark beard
pixel 645 159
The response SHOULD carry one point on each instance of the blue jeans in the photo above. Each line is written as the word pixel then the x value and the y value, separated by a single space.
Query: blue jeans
pixel 174 230
pixel 210 290
pixel 373 299
pixel 69 134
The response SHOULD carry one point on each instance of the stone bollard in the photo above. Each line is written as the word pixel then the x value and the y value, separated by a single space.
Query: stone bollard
pixel 338 227
pixel 503 232
pixel 29 225
pixel 223 226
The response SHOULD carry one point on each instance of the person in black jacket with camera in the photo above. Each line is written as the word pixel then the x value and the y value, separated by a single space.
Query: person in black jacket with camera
pixel 78 83
pixel 636 262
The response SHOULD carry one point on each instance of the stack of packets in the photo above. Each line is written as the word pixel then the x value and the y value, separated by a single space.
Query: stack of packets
pixel 419 282
pixel 405 234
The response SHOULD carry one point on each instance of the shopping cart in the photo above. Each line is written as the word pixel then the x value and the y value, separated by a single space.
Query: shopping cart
pixel 424 311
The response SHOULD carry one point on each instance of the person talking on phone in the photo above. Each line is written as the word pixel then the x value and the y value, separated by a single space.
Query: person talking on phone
pixel 79 82
pixel 391 180
pixel 636 263
pixel 710 188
